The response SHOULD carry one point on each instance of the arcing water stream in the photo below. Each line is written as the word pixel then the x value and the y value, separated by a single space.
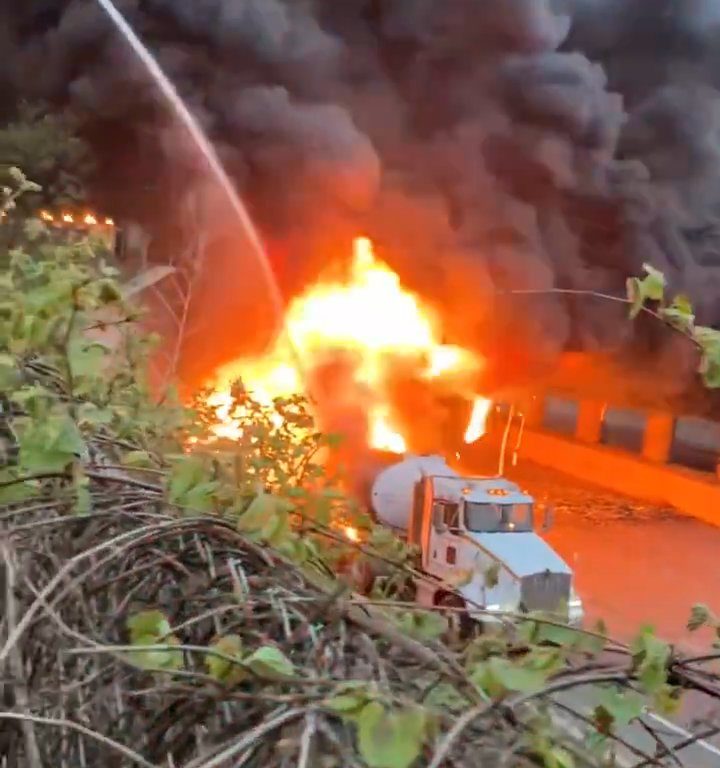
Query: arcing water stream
pixel 207 151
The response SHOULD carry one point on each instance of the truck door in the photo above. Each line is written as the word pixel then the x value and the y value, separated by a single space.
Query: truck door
pixel 444 540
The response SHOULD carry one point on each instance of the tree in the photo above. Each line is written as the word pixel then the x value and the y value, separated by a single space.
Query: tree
pixel 47 147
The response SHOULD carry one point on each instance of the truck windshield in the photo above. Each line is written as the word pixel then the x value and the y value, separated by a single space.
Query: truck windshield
pixel 495 518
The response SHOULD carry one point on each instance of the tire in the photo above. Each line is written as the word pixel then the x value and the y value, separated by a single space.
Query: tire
pixel 458 618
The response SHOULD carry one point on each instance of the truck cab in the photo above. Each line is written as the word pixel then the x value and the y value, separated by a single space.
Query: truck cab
pixel 477 534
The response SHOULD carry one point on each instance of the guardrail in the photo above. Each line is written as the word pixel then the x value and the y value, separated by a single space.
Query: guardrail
pixel 648 473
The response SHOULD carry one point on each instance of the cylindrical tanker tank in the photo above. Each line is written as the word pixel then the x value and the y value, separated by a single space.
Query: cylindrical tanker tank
pixel 392 491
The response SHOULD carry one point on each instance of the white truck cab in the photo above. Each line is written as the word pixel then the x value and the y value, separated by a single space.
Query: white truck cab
pixel 478 533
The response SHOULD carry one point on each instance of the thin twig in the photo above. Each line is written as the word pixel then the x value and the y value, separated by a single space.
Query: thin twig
pixel 32 751
pixel 306 739
pixel 446 745
pixel 89 732
pixel 247 740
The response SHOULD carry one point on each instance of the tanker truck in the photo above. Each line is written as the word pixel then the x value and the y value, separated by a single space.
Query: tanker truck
pixel 478 533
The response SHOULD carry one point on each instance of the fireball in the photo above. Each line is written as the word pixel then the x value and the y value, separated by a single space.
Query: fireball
pixel 374 318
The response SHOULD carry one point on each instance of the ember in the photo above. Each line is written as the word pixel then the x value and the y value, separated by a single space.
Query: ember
pixel 371 316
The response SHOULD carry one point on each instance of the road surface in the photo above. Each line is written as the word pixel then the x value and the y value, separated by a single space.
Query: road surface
pixel 635 565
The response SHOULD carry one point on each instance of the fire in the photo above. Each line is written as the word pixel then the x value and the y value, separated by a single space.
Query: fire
pixel 352 534
pixel 370 315
pixel 382 436
pixel 478 419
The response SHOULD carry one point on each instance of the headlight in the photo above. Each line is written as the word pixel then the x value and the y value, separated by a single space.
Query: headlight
pixel 574 601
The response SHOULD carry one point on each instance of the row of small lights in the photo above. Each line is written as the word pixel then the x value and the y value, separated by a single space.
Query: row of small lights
pixel 68 218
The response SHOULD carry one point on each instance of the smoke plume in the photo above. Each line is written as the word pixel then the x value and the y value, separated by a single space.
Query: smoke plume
pixel 488 146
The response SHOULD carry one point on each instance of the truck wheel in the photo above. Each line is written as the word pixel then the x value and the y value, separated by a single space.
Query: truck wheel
pixel 458 618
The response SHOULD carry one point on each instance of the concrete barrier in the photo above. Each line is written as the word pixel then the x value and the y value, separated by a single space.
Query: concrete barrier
pixel 693 493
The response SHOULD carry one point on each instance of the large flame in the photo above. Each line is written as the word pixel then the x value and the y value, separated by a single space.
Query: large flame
pixel 373 317
pixel 478 420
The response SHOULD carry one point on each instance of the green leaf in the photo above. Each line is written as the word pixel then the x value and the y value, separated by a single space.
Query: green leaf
pixel 654 283
pixel 90 414
pixel 86 358
pixel 49 296
pixel 498 676
pixel 148 624
pixel 700 616
pixel 650 288
pixel 513 677
pixel 708 339
pixel 50 446
pixel 620 708
pixel 542 632
pixel 348 705
pixel 260 516
pixel 15 492
pixel 271 663
pixel 557 757
pixel 189 485
pixel 423 625
pixel 223 670
pixel 597 744
pixel 679 314
pixel 67 437
pixel 711 373
pixel 156 658
pixel 650 659
pixel 186 473
pixel 9 374
pixel 445 696
pixel 149 628
pixel 667 700
pixel 83 497
pixel 201 498
pixel 391 738
pixel 137 459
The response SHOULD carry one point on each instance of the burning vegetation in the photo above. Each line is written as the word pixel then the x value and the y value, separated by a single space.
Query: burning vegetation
pixel 369 324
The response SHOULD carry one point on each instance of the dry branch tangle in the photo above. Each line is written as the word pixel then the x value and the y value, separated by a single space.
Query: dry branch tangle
pixel 77 580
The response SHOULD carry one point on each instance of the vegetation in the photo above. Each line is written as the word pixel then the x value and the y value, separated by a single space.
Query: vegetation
pixel 46 146
pixel 173 600
pixel 648 295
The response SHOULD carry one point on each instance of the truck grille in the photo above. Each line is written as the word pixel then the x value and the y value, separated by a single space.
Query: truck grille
pixel 545 591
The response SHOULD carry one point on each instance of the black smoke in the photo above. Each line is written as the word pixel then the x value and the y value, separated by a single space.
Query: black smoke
pixel 488 145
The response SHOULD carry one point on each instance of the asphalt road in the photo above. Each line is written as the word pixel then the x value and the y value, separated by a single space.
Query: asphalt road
pixel 635 565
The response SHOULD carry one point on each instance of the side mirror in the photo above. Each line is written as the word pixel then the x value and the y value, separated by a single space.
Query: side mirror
pixel 548 517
